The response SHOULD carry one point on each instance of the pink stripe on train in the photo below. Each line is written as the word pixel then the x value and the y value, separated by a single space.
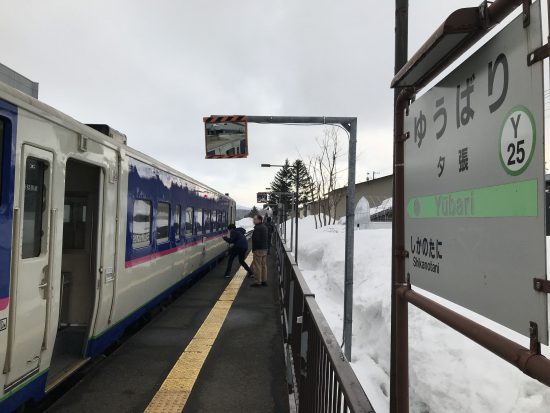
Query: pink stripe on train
pixel 150 257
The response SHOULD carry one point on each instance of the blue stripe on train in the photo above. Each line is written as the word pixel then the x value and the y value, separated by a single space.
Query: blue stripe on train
pixel 35 387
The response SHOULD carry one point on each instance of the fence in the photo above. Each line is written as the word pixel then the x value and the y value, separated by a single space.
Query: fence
pixel 318 370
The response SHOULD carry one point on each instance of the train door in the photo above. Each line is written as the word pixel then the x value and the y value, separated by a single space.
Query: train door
pixel 81 225
pixel 31 282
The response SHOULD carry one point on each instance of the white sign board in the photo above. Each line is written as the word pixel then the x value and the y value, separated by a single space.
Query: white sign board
pixel 474 182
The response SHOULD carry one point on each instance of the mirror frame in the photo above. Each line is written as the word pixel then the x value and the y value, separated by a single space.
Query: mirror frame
pixel 261 200
pixel 226 119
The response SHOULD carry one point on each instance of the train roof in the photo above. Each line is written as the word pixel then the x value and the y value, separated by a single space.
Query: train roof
pixel 42 109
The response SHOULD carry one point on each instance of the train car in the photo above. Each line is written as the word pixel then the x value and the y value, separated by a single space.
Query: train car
pixel 93 234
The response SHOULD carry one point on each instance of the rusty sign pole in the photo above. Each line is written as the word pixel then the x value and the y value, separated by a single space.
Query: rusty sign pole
pixel 399 364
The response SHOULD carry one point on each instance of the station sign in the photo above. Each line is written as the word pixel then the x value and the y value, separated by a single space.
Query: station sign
pixel 474 182
pixel 262 197
pixel 226 137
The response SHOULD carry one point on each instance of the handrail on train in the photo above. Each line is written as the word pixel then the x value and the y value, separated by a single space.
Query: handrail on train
pixel 317 370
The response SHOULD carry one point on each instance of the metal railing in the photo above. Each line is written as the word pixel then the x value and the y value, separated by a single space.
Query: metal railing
pixel 318 371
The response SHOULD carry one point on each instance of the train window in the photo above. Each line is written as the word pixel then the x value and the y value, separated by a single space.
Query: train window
pixel 34 207
pixel 141 234
pixel 177 223
pixel 163 222
pixel 207 221
pixel 189 222
pixel 198 221
pixel 214 221
pixel 74 223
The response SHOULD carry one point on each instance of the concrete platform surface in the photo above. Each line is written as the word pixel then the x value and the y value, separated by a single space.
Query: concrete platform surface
pixel 244 372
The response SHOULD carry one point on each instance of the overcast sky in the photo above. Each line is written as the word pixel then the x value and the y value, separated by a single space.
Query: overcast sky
pixel 153 69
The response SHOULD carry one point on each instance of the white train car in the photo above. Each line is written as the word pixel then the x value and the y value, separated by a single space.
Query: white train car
pixel 93 234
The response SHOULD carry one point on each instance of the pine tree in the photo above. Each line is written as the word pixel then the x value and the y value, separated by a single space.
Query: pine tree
pixel 254 211
pixel 282 182
pixel 305 181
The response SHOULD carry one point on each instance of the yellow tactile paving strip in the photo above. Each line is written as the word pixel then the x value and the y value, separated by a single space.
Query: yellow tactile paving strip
pixel 176 388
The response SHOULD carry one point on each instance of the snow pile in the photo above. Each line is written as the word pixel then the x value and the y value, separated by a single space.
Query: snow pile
pixel 385 205
pixel 448 372
pixel 246 223
pixel 362 213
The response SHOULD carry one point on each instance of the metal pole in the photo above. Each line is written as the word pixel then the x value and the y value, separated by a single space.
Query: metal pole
pixel 350 233
pixel 292 227
pixel 399 363
pixel 284 224
pixel 296 210
pixel 529 361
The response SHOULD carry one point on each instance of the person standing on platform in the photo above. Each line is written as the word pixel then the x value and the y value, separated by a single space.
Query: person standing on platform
pixel 237 237
pixel 259 251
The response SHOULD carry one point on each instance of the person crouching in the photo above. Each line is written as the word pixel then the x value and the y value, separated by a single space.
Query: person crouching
pixel 237 238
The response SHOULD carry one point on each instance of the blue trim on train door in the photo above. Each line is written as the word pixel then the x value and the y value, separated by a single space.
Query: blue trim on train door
pixel 98 344
pixel 34 389
pixel 8 113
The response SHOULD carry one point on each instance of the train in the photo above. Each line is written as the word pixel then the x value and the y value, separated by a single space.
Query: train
pixel 93 235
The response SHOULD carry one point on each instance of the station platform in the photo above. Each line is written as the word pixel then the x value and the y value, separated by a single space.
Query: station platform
pixel 217 348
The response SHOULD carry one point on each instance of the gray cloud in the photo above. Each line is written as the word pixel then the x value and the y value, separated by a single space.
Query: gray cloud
pixel 153 69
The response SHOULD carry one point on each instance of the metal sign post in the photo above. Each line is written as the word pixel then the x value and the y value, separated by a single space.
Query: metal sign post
pixel 350 125
pixel 469 186
pixel 399 372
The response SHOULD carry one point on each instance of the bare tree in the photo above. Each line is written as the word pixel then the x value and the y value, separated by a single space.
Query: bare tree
pixel 313 189
pixel 324 174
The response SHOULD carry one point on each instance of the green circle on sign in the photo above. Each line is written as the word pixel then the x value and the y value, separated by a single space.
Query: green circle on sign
pixel 512 154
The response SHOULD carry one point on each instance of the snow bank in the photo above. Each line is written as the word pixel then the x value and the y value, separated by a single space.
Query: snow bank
pixel 448 372
pixel 245 223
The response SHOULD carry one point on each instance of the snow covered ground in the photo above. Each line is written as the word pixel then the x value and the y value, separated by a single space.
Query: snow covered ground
pixel 448 372
pixel 245 223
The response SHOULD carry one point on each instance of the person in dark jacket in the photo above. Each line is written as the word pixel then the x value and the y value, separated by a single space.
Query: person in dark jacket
pixel 237 238
pixel 259 251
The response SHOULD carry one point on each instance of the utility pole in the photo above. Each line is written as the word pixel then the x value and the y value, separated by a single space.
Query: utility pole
pixel 350 241
pixel 297 170
pixel 399 391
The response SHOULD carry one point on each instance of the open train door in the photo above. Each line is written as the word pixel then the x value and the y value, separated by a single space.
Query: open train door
pixel 31 278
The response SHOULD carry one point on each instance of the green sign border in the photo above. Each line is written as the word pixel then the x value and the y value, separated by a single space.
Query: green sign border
pixel 523 109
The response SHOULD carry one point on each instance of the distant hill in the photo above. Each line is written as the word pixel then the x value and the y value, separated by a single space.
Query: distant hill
pixel 242 211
